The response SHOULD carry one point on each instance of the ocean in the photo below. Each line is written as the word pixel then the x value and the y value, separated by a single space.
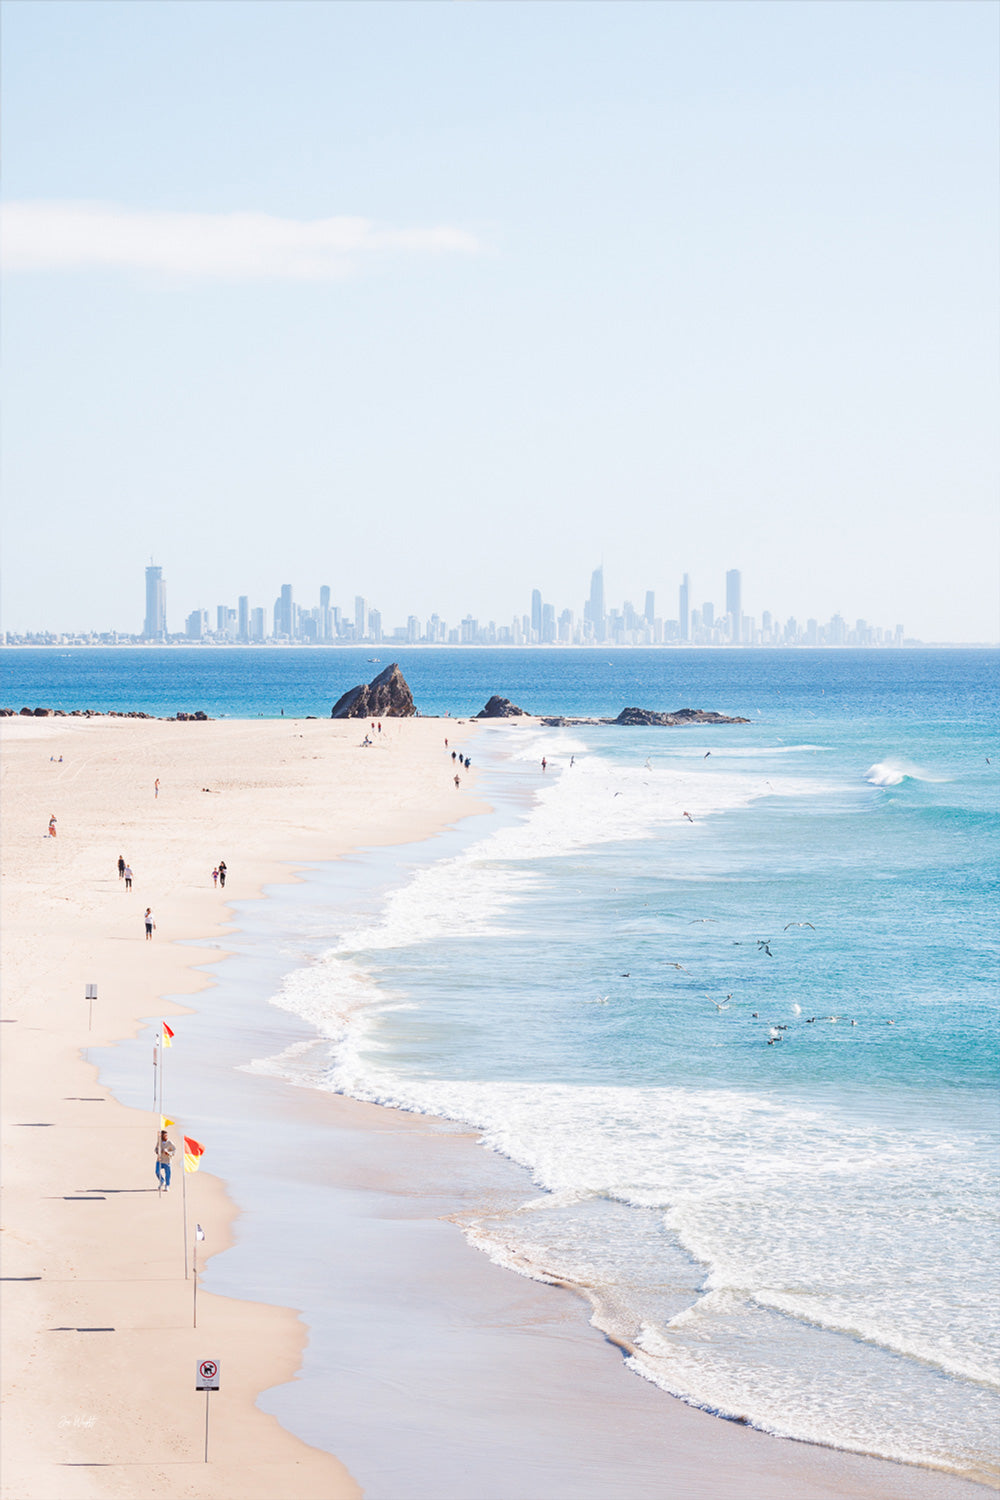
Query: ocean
pixel 727 995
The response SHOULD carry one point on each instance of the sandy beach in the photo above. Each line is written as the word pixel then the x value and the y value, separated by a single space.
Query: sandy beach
pixel 493 1376
pixel 88 1241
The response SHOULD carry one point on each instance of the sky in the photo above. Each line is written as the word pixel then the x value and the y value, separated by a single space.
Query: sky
pixel 442 302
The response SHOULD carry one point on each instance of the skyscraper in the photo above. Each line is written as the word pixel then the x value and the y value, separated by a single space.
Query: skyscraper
pixel 595 609
pixel 286 613
pixel 243 627
pixel 155 627
pixel 684 608
pixel 536 614
pixel 360 617
pixel 650 611
pixel 734 607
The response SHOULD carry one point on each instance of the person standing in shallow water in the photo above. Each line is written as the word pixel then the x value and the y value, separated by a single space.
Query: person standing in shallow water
pixel 222 873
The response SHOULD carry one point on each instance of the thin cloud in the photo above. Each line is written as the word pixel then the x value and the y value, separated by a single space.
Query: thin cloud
pixel 67 236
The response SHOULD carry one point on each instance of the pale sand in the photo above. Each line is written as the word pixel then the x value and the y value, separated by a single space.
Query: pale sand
pixel 116 1413
pixel 445 1376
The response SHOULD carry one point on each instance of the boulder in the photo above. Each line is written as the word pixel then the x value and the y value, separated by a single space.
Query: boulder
pixel 646 716
pixel 385 697
pixel 500 708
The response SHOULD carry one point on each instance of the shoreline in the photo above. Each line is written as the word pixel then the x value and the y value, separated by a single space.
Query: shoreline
pixel 98 1311
pixel 391 1185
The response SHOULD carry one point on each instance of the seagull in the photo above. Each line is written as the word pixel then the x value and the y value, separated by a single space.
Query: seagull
pixel 601 1000
pixel 720 1005
pixel 694 920
pixel 678 966
pixel 706 755
pixel 798 924
pixel 625 976
pixel 766 946
pixel 755 1016
pixel 796 1010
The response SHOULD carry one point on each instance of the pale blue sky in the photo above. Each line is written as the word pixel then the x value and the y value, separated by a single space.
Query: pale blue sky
pixel 682 287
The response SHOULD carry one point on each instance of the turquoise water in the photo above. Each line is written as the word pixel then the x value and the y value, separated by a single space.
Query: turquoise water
pixel 784 1208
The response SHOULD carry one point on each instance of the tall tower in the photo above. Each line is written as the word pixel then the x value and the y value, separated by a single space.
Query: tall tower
pixel 286 612
pixel 155 626
pixel 536 614
pixel 598 619
pixel 650 611
pixel 734 607
pixel 360 617
pixel 684 608
pixel 243 627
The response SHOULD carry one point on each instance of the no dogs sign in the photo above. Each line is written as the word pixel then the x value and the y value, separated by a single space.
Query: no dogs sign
pixel 208 1375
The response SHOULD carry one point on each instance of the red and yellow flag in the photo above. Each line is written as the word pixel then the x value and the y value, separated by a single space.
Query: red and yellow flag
pixel 168 1036
pixel 193 1153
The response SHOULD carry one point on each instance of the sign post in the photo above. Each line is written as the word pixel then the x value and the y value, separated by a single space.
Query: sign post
pixel 207 1380
pixel 91 995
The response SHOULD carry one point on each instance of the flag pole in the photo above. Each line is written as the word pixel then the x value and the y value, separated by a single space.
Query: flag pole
pixel 184 1201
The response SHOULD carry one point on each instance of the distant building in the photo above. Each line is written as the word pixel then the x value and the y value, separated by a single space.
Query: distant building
pixel 684 608
pixel 196 625
pixel 360 617
pixel 734 607
pixel 594 613
pixel 650 611
pixel 258 624
pixel 536 614
pixel 155 626
pixel 243 622
pixel 284 623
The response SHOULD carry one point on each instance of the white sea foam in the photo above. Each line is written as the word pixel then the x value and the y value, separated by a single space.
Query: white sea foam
pixel 894 772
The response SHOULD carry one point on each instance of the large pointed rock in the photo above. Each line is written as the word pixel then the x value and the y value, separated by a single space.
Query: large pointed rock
pixel 385 697
pixel 500 708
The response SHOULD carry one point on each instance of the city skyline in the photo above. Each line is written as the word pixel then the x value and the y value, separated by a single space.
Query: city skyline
pixel 289 622
pixel 698 283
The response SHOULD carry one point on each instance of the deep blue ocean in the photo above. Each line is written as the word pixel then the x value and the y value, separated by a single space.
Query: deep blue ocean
pixel 727 993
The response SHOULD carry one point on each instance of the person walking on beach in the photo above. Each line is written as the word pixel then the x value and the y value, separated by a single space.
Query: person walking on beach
pixel 128 877
pixel 52 826
pixel 222 873
pixel 150 924
pixel 457 782
pixel 121 866
pixel 544 762
pixel 164 1151
pixel 215 876
pixel 156 787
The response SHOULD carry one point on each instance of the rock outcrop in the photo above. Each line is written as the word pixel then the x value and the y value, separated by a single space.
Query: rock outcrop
pixel 639 717
pixel 385 697
pixel 501 708
pixel 644 716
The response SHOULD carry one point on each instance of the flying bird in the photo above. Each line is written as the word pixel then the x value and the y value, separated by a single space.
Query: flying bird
pixel 798 924
pixel 695 920
pixel 678 966
pixel 706 755
pixel 766 946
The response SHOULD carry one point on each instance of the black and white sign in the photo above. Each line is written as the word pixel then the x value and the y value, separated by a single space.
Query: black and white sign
pixel 208 1375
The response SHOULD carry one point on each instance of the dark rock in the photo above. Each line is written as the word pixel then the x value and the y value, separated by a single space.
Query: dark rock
pixel 26 711
pixel 680 716
pixel 385 697
pixel 500 708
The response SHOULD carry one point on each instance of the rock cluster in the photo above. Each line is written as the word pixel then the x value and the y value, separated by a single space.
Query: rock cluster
pixel 640 717
pixel 92 713
pixel 500 708
pixel 385 697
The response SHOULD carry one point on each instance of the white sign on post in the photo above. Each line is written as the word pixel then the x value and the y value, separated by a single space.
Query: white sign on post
pixel 208 1375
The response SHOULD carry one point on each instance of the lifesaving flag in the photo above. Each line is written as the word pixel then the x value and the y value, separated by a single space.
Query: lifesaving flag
pixel 165 1124
pixel 168 1036
pixel 193 1154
